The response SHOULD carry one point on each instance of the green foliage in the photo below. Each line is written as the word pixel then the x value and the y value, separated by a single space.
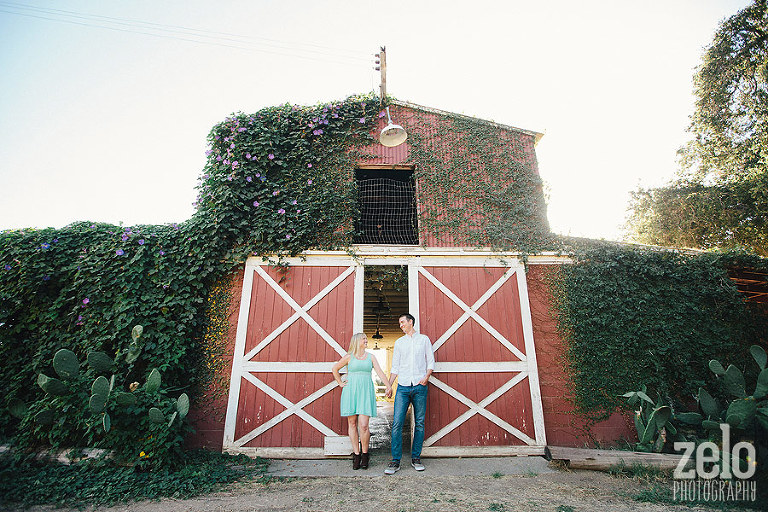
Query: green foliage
pixel 26 483
pixel 652 421
pixel 82 288
pixel 128 421
pixel 721 195
pixel 638 317
pixel 473 190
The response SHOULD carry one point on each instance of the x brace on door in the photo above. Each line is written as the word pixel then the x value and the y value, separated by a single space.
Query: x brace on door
pixel 524 368
pixel 243 366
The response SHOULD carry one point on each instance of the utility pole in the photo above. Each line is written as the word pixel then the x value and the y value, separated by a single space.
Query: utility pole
pixel 381 65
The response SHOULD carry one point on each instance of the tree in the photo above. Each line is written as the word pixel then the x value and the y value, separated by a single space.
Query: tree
pixel 720 196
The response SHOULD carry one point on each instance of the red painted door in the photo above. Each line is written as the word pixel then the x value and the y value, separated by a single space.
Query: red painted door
pixel 283 399
pixel 484 394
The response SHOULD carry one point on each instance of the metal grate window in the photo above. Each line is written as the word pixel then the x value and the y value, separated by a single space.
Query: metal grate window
pixel 387 207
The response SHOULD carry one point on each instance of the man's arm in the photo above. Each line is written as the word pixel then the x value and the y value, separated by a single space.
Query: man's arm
pixel 430 356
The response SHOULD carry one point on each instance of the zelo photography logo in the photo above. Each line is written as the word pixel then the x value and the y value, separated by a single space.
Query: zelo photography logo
pixel 719 474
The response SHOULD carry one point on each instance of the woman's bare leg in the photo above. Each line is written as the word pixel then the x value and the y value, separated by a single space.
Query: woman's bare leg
pixel 365 433
pixel 353 437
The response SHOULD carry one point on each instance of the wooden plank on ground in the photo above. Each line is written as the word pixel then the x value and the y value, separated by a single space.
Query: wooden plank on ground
pixel 584 458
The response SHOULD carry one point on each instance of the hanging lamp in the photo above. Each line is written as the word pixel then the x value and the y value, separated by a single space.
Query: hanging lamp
pixel 393 134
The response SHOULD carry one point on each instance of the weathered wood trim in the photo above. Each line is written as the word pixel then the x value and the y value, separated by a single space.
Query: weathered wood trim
pixel 337 445
pixel 237 359
pixel 584 458
pixel 533 367
pixel 277 452
pixel 481 451
pixel 478 408
pixel 291 408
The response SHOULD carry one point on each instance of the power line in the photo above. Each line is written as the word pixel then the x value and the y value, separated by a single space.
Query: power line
pixel 193 35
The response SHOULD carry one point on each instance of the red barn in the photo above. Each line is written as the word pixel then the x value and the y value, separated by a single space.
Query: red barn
pixel 499 386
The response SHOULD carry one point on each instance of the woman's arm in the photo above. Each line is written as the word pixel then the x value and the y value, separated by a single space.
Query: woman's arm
pixel 380 373
pixel 338 365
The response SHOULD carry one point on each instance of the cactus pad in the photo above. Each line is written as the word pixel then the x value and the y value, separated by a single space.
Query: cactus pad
pixel 107 422
pixel 100 361
pixel 44 417
pixel 716 367
pixel 156 416
pixel 182 405
pixel 153 381
pixel 137 331
pixel 173 417
pixel 734 382
pixel 126 399
pixel 97 403
pixel 100 387
pixel 17 408
pixel 52 385
pixel 66 364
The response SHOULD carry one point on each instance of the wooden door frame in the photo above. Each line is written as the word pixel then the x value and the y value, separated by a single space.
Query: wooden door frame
pixel 414 258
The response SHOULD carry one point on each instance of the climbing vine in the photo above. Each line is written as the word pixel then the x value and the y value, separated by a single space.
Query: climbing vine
pixel 632 317
pixel 478 185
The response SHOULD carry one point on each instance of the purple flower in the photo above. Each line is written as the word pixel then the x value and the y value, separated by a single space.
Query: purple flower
pixel 309 182
pixel 263 179
pixel 55 240
pixel 335 115
pixel 281 211
pixel 248 156
pixel 161 253
pixel 318 132
pixel 124 237
pixel 362 120
pixel 79 318
pixel 232 146
pixel 294 202
pixel 93 226
pixel 311 125
pixel 248 179
pixel 46 246
pixel 235 163
pixel 141 241
pixel 276 192
pixel 241 129
pixel 288 236
pixel 298 211
pixel 381 114
pixel 46 278
pixel 86 300
pixel 271 156
pixel 255 203
pixel 309 165
pixel 218 158
pixel 119 252
pixel 258 175
pixel 7 267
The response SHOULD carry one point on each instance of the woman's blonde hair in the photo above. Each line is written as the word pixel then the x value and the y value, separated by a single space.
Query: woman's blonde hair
pixel 354 343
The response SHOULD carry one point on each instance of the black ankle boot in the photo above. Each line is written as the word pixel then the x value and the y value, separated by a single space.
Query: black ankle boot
pixel 364 461
pixel 355 461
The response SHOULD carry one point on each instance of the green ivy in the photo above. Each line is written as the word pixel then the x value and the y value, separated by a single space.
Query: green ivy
pixel 634 317
pixel 474 189
pixel 276 182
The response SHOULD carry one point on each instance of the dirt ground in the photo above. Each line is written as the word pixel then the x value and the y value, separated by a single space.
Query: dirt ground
pixel 559 491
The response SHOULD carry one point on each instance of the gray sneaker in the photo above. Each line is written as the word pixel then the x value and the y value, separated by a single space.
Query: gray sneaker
pixel 393 468
pixel 417 465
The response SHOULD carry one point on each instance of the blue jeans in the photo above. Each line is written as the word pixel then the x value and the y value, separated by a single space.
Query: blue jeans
pixel 405 395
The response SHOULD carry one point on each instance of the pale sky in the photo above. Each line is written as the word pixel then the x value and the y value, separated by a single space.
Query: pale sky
pixel 105 106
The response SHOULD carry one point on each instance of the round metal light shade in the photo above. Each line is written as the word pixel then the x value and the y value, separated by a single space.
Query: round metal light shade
pixel 392 135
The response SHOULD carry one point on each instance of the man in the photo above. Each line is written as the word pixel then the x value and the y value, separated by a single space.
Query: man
pixel 412 364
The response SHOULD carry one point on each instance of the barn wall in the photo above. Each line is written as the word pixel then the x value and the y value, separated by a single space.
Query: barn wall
pixel 563 426
pixel 207 417
pixel 430 126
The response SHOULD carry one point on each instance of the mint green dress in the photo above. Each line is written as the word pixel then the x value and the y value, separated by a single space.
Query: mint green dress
pixel 359 396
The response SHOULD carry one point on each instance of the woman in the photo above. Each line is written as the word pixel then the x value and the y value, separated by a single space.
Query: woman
pixel 358 397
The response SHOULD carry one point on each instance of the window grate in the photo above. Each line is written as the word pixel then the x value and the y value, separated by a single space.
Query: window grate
pixel 387 208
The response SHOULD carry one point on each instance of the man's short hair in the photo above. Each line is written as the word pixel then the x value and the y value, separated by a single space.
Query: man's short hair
pixel 409 317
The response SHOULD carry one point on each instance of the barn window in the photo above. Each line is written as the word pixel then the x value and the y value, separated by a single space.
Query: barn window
pixel 387 207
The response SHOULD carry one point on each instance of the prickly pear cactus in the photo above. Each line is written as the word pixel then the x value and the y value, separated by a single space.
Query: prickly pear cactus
pixel 66 364
pixel 156 416
pixel 100 362
pixel 52 385
pixel 182 405
pixel 153 381
pixel 17 408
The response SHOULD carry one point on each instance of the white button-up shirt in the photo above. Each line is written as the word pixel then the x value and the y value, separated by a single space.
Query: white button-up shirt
pixel 412 358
